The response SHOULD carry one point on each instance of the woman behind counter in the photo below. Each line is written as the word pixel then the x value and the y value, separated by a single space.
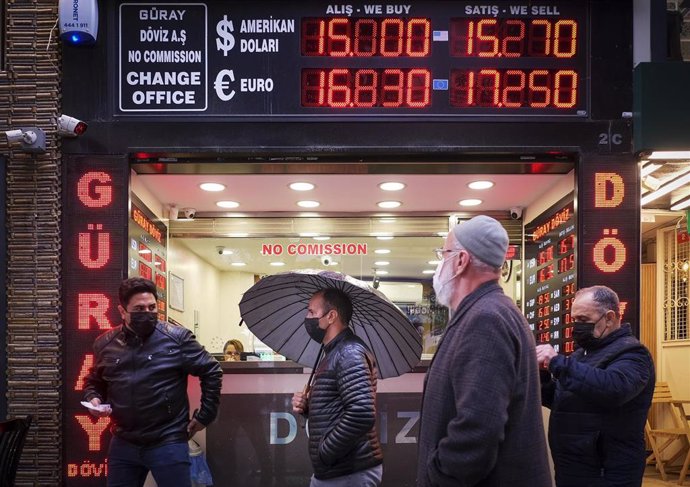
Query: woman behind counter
pixel 232 350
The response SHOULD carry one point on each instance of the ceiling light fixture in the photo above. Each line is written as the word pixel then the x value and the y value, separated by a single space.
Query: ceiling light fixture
pixel 670 154
pixel 308 234
pixel 301 186
pixel 382 262
pixel 227 204
pixel 651 182
pixel 238 235
pixel 277 264
pixel 392 186
pixel 666 189
pixel 322 237
pixel 681 204
pixel 385 237
pixel 213 187
pixel 389 204
pixel 308 204
pixel 381 273
pixel 481 185
pixel 238 264
pixel 382 251
pixel 428 271
pixel 470 202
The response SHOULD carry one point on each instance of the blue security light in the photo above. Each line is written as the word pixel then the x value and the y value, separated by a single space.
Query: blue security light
pixel 78 22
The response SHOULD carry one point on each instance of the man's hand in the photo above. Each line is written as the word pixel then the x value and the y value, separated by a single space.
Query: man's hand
pixel 102 411
pixel 544 354
pixel 299 402
pixel 194 427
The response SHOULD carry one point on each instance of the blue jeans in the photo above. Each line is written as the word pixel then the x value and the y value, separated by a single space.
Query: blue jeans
pixel 370 477
pixel 128 464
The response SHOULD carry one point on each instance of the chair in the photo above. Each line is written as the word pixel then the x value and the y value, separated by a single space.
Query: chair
pixel 662 438
pixel 12 436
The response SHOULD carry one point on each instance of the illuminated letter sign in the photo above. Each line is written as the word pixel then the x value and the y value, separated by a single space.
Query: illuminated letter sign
pixel 609 228
pixel 94 259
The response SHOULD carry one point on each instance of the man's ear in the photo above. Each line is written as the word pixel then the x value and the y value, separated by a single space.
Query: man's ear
pixel 122 311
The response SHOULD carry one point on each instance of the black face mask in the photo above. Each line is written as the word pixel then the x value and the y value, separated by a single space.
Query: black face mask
pixel 312 326
pixel 583 333
pixel 143 323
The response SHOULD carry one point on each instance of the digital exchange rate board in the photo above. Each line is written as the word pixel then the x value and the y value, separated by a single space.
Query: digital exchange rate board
pixel 432 58
pixel 550 275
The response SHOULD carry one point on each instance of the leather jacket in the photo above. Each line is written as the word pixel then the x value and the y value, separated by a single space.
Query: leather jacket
pixel 145 382
pixel 342 410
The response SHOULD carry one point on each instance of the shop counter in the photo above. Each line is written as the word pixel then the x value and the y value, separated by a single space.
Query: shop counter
pixel 257 440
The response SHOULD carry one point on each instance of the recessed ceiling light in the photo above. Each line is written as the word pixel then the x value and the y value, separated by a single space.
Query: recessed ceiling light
pixel 227 204
pixel 308 204
pixel 238 235
pixel 387 220
pixel 381 273
pixel 392 186
pixel 322 237
pixel 308 234
pixel 434 262
pixel 428 271
pixel 226 252
pixel 277 264
pixel 238 264
pixel 388 204
pixel 212 186
pixel 382 251
pixel 382 262
pixel 470 202
pixel 481 185
pixel 301 186
pixel 385 237
pixel 308 214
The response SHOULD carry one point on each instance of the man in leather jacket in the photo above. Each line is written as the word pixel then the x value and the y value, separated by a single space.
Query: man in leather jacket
pixel 341 405
pixel 140 370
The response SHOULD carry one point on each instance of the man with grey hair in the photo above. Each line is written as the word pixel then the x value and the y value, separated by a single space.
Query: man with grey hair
pixel 599 396
pixel 481 421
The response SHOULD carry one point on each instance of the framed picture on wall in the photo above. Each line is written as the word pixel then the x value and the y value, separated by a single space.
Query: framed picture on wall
pixel 176 292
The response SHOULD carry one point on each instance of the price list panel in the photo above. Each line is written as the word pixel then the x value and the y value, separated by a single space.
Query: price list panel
pixel 550 275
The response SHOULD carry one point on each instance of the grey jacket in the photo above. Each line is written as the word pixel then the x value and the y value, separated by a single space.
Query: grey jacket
pixel 481 419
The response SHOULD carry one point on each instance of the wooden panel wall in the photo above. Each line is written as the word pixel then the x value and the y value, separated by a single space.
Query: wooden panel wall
pixel 29 96
pixel 648 325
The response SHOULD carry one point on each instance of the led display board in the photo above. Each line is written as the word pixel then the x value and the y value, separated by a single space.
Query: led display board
pixel 609 229
pixel 94 263
pixel 550 274
pixel 433 58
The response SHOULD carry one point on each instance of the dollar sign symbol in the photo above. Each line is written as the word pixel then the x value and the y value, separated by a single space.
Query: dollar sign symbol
pixel 226 41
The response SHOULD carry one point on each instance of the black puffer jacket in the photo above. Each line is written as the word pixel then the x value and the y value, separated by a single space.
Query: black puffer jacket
pixel 342 410
pixel 146 382
pixel 599 400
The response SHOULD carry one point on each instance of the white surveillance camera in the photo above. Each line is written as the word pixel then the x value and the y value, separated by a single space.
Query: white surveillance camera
pixel 33 139
pixel 70 127
pixel 516 213
pixel 189 213
pixel 326 259
pixel 15 136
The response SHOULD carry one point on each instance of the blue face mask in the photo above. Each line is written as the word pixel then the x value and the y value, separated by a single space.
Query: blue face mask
pixel 312 326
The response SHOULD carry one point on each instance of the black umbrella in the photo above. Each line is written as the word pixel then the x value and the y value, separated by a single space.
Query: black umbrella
pixel 275 307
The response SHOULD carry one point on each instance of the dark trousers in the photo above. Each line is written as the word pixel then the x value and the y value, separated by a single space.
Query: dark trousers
pixel 128 464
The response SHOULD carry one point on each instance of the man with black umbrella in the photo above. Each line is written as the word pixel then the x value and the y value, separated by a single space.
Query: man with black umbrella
pixel 341 404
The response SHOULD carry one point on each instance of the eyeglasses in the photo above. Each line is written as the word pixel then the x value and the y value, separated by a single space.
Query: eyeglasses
pixel 440 253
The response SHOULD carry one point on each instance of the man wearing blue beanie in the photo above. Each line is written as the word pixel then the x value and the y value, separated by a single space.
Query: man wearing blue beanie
pixel 481 421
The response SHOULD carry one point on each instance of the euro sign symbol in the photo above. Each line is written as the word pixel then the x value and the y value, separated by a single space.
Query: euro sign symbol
pixel 226 41
pixel 222 84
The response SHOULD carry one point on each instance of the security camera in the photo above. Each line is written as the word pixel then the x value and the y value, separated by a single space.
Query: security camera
pixel 33 139
pixel 326 260
pixel 70 127
pixel 516 213
pixel 189 213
